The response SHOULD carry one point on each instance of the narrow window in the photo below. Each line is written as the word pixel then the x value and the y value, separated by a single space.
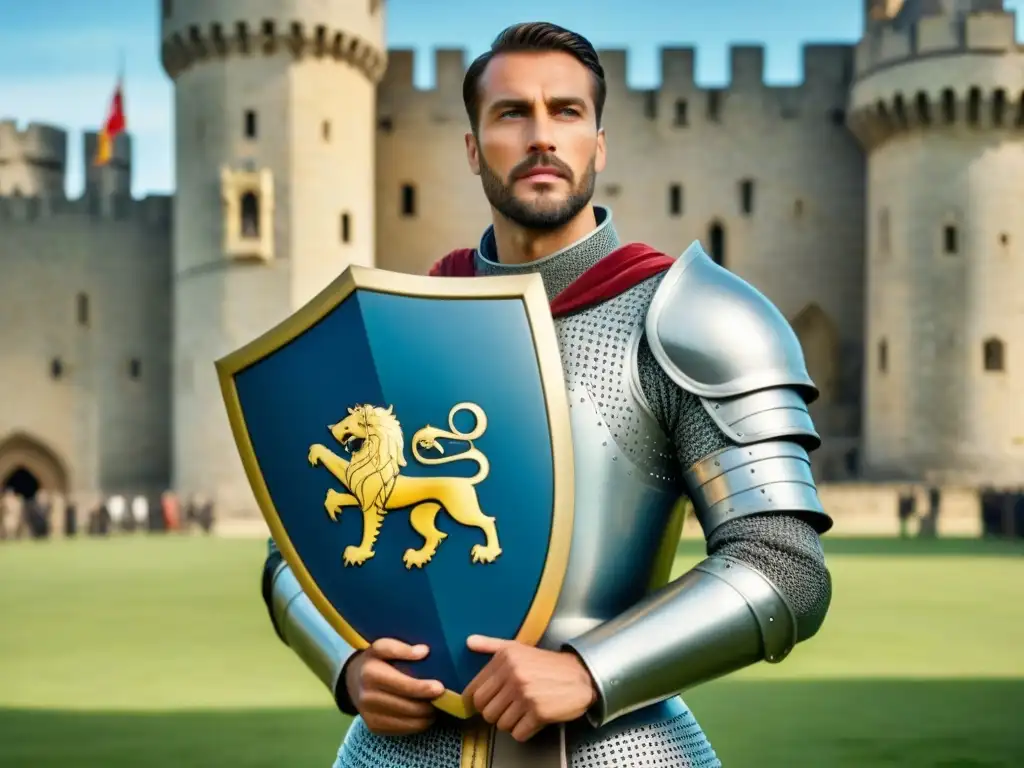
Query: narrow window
pixel 651 105
pixel 250 124
pixel 682 114
pixel 883 356
pixel 747 196
pixel 675 199
pixel 993 353
pixel 408 200
pixel 714 105
pixel 250 211
pixel 716 240
pixel 948 105
pixel 82 306
pixel 135 369
pixel 346 228
pixel 950 239
pixel 56 368
pixel 325 130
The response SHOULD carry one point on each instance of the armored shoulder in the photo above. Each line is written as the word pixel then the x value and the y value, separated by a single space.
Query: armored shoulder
pixel 718 337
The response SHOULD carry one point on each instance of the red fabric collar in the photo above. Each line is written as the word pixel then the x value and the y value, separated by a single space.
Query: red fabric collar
pixel 622 269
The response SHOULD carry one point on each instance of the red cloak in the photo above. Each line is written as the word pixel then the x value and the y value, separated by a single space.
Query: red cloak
pixel 625 267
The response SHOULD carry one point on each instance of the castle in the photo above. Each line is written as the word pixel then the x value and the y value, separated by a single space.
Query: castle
pixel 876 204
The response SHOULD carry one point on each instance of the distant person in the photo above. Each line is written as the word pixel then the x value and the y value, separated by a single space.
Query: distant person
pixel 117 509
pixel 140 512
pixel 905 511
pixel 170 510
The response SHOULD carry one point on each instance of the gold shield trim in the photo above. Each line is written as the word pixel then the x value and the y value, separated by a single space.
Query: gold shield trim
pixel 527 288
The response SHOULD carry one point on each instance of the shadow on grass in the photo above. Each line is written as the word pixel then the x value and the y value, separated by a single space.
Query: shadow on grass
pixel 836 545
pixel 839 724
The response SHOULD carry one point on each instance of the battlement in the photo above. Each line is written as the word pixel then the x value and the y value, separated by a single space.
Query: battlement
pixel 827 73
pixel 36 143
pixel 890 43
pixel 215 31
pixel 152 211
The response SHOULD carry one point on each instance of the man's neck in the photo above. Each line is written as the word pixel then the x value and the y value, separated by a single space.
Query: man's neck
pixel 515 245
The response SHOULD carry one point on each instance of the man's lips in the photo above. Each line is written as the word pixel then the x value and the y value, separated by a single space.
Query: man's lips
pixel 542 173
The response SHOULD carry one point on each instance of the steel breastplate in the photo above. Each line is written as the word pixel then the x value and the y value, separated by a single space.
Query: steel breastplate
pixel 626 478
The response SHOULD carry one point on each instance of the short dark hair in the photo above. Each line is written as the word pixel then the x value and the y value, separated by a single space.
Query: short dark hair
pixel 534 36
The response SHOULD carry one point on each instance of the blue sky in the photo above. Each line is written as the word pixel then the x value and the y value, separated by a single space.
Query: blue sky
pixel 59 58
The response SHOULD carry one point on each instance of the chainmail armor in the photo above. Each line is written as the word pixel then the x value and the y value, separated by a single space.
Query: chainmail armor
pixel 596 354
pixel 676 743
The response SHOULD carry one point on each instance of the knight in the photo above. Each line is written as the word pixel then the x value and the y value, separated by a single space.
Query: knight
pixel 684 381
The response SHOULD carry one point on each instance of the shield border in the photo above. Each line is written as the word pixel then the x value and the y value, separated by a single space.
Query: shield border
pixel 528 288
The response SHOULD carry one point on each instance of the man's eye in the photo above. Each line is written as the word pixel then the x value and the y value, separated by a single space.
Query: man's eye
pixel 510 113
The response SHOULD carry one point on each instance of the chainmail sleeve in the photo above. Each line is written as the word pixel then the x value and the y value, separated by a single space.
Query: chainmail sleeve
pixel 783 547
pixel 762 588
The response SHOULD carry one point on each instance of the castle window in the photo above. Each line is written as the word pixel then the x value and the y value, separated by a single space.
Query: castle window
pixel 837 116
pixel 385 125
pixel 923 109
pixel 651 105
pixel 883 356
pixel 250 124
pixel 714 105
pixel 675 199
pixel 884 235
pixel 346 228
pixel 993 353
pixel 56 368
pixel 682 116
pixel 1004 239
pixel 948 105
pixel 998 106
pixel 408 200
pixel 82 309
pixel 974 106
pixel 135 369
pixel 950 239
pixel 798 208
pixel 325 130
pixel 716 242
pixel 250 211
pixel 747 196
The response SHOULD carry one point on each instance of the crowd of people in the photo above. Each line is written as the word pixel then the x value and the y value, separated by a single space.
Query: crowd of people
pixel 51 515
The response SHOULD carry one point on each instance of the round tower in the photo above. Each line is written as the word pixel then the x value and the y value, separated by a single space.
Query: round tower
pixel 938 105
pixel 275 104
pixel 33 161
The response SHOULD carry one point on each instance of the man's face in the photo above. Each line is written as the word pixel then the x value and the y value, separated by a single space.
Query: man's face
pixel 538 148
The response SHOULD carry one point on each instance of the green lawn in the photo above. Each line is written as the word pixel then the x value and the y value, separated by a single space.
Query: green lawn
pixel 157 652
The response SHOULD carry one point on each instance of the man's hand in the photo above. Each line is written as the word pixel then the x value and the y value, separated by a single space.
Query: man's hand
pixel 522 689
pixel 391 702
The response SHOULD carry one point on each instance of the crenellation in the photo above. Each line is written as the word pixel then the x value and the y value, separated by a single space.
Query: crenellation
pixel 992 32
pixel 937 34
pixel 217 33
pixel 33 159
pixel 401 71
pixel 678 68
pixel 450 69
pixel 747 67
pixel 615 62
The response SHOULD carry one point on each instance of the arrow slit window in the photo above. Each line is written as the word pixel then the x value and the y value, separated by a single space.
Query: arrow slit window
pixel 247 197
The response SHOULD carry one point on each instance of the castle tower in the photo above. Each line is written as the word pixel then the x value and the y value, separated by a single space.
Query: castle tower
pixel 275 124
pixel 108 187
pixel 33 161
pixel 938 104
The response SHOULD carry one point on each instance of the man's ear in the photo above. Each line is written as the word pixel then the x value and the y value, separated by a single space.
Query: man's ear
pixel 473 153
pixel 601 156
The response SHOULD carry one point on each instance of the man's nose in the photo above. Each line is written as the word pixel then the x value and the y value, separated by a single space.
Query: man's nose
pixel 542 137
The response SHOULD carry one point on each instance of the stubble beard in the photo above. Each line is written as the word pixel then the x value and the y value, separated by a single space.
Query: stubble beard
pixel 543 214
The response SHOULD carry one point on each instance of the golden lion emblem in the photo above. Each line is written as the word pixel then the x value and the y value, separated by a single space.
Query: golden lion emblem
pixel 375 485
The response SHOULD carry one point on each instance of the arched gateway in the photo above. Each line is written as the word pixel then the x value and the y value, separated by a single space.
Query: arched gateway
pixel 27 466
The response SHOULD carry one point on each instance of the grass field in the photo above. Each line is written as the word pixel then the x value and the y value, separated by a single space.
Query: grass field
pixel 157 652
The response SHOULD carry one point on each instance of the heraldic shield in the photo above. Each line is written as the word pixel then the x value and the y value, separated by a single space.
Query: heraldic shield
pixel 407 440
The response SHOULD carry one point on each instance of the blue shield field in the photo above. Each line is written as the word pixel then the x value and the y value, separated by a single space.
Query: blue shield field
pixel 359 421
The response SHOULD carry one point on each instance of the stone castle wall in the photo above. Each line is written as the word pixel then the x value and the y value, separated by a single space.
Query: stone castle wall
pixel 85 313
pixel 939 104
pixel 678 161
